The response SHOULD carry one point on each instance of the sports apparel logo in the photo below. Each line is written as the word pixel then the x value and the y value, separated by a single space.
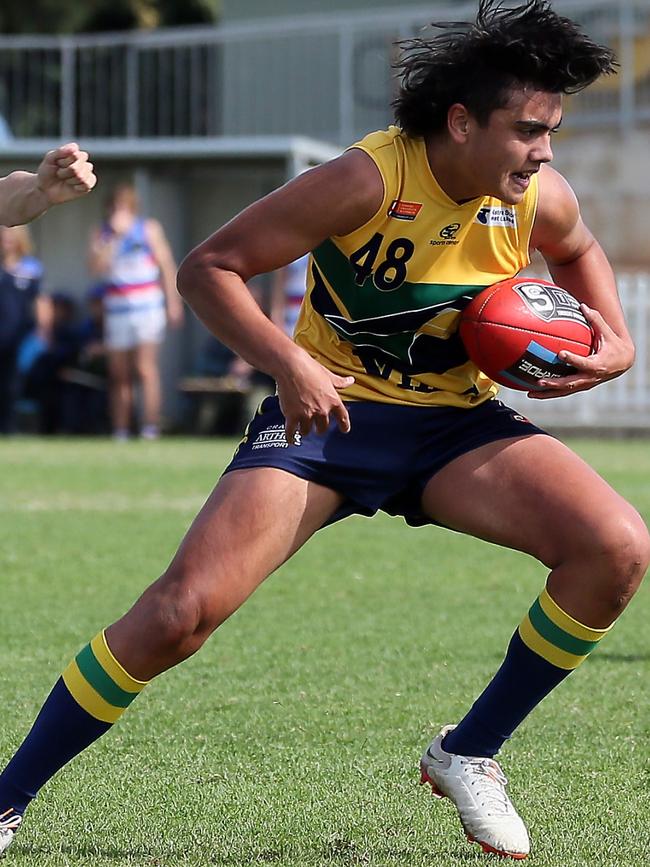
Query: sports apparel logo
pixel 274 437
pixel 448 235
pixel 401 210
pixel 497 216
pixel 449 232
pixel 549 302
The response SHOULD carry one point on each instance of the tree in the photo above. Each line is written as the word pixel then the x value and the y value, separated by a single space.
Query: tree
pixel 70 16
pixel 173 14
pixel 42 16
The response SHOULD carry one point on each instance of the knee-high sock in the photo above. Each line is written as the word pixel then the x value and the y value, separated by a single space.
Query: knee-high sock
pixel 546 647
pixel 91 695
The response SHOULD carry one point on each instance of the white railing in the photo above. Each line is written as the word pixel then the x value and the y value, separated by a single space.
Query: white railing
pixel 621 403
pixel 326 76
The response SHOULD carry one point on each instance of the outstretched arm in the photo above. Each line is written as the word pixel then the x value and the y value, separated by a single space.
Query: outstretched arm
pixel 577 262
pixel 63 175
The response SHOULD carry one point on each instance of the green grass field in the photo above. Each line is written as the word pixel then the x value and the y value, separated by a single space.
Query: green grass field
pixel 294 737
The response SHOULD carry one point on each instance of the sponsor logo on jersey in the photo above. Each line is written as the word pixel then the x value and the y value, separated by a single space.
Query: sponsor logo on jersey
pixel 401 210
pixel 273 437
pixel 497 216
pixel 550 302
pixel 448 236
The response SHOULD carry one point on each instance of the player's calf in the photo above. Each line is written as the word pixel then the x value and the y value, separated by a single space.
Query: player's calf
pixel 552 640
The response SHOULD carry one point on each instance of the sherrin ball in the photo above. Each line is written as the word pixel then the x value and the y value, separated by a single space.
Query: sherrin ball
pixel 514 330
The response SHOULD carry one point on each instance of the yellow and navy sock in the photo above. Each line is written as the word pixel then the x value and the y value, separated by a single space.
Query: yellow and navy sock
pixel 90 696
pixel 546 647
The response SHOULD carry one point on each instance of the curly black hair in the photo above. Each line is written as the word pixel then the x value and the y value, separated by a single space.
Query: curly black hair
pixel 478 63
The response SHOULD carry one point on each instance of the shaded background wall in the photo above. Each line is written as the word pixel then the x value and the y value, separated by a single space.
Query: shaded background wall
pixel 207 119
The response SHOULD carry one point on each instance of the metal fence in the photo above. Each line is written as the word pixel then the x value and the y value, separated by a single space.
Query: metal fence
pixel 326 76
pixel 623 403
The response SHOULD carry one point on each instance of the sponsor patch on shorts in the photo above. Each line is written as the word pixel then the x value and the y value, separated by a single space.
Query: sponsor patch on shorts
pixel 273 437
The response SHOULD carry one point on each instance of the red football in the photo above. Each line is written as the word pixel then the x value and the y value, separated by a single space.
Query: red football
pixel 513 331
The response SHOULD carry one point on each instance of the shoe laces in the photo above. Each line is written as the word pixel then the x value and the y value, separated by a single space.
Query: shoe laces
pixel 489 783
pixel 9 821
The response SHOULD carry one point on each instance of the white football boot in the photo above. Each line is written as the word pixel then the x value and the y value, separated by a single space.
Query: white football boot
pixel 9 824
pixel 477 788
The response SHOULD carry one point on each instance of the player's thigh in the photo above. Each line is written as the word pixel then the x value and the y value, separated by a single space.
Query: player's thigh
pixel 532 494
pixel 253 521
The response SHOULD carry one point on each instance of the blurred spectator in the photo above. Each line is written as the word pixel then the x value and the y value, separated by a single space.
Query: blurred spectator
pixel 92 357
pixel 18 253
pixel 288 290
pixel 85 391
pixel 20 279
pixel 52 347
pixel 131 256
pixel 62 366
pixel 225 391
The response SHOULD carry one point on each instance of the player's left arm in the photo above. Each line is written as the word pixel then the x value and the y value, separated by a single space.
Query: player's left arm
pixel 577 262
pixel 64 174
pixel 165 259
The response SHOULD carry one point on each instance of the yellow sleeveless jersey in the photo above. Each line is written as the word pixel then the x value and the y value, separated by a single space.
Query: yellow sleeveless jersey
pixel 383 302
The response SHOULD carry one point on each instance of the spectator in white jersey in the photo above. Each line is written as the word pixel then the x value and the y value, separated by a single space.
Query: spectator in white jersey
pixel 130 254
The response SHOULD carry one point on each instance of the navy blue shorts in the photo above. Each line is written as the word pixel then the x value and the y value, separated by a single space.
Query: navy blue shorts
pixel 388 457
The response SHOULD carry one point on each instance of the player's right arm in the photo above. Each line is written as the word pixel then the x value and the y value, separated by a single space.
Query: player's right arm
pixel 63 175
pixel 333 199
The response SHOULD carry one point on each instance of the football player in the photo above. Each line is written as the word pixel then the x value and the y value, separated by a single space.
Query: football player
pixel 378 406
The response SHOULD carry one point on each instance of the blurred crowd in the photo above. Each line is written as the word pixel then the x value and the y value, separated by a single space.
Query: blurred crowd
pixel 52 352
pixel 90 365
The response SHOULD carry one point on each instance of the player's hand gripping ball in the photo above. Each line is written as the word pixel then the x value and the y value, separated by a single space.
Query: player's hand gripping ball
pixel 514 330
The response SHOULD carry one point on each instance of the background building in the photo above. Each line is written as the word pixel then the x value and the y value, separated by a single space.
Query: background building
pixel 207 119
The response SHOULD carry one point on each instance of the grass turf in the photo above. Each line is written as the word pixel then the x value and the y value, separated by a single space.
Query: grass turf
pixel 293 738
